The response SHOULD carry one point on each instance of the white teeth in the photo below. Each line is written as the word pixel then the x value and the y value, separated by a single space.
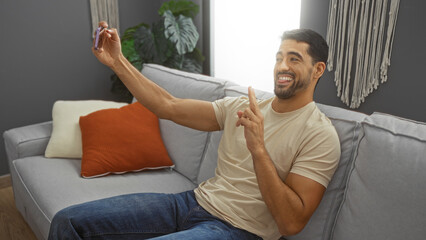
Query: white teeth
pixel 285 78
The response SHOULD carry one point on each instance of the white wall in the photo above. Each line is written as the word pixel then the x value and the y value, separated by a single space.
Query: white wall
pixel 246 35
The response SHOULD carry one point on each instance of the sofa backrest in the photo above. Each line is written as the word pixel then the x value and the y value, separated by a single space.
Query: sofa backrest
pixel 187 147
pixel 347 125
pixel 385 196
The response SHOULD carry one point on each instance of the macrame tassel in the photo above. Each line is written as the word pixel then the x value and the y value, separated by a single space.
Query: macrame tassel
pixel 331 36
pixel 364 34
pixel 358 46
pixel 393 15
pixel 354 12
pixel 104 10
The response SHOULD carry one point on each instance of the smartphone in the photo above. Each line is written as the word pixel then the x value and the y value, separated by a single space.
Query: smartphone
pixel 98 31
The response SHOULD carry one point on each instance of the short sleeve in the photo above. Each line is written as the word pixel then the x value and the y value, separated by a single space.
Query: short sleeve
pixel 318 156
pixel 226 105
pixel 219 112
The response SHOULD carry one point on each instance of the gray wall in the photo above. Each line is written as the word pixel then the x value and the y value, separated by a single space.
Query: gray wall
pixel 404 94
pixel 45 56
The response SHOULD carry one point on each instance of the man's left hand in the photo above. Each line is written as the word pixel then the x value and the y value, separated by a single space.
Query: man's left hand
pixel 252 121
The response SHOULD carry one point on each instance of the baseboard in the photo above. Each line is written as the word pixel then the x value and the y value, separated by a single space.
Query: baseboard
pixel 5 181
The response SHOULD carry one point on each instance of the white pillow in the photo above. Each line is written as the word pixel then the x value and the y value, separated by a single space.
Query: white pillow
pixel 65 141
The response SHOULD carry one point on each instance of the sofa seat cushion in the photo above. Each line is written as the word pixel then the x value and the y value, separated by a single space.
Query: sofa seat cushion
pixel 385 196
pixel 44 180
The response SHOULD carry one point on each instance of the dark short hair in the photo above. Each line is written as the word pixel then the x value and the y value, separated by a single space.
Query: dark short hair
pixel 318 47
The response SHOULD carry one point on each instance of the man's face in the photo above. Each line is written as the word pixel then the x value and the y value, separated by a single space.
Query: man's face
pixel 293 69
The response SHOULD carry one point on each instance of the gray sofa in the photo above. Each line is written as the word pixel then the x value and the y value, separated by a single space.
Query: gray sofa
pixel 377 192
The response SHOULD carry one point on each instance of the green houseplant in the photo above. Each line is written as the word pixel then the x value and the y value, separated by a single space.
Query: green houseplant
pixel 171 42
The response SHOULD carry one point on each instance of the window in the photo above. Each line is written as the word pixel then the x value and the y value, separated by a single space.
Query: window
pixel 246 35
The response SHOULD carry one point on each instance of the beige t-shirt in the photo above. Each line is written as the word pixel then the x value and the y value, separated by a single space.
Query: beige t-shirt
pixel 302 142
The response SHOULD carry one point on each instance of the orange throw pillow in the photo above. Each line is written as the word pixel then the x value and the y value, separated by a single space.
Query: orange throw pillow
pixel 121 140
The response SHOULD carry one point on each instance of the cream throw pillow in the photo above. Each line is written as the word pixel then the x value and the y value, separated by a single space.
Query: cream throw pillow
pixel 65 141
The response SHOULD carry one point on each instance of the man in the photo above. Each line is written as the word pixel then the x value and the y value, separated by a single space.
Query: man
pixel 275 158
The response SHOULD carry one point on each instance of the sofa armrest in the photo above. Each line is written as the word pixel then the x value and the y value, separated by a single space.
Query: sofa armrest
pixel 27 141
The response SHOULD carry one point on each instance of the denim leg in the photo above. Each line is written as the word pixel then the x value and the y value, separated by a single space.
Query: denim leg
pixel 142 216
pixel 200 224
pixel 133 216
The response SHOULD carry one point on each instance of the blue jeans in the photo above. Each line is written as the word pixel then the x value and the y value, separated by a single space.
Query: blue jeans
pixel 143 216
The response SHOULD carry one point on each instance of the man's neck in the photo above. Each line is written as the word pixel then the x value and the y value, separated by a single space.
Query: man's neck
pixel 291 104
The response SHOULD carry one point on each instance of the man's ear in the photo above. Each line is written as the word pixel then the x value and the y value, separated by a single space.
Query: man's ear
pixel 319 69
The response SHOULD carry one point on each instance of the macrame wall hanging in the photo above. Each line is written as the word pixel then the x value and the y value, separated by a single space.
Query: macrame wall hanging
pixel 104 10
pixel 360 36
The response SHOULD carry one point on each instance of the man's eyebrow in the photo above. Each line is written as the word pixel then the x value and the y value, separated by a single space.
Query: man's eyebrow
pixel 296 54
pixel 290 53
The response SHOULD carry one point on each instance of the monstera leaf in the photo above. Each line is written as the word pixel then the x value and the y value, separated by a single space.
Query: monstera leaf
pixel 152 45
pixel 128 46
pixel 171 42
pixel 192 61
pixel 181 31
pixel 185 8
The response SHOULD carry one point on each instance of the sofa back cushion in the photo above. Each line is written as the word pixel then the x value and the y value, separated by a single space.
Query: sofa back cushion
pixel 186 147
pixel 347 125
pixel 234 90
pixel 385 196
pixel 209 160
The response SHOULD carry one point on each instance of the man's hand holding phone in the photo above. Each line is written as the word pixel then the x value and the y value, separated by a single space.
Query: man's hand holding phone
pixel 106 45
pixel 98 32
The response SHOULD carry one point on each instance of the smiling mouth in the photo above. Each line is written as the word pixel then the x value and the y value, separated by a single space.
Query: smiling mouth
pixel 284 80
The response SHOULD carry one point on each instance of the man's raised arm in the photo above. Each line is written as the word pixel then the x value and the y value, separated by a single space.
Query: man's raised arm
pixel 191 113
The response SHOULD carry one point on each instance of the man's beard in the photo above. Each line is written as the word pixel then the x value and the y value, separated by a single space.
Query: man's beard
pixel 283 93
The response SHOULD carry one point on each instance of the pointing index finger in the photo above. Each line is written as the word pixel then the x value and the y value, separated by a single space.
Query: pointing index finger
pixel 253 101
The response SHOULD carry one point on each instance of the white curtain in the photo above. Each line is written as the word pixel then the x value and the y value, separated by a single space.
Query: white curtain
pixel 104 10
pixel 360 35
